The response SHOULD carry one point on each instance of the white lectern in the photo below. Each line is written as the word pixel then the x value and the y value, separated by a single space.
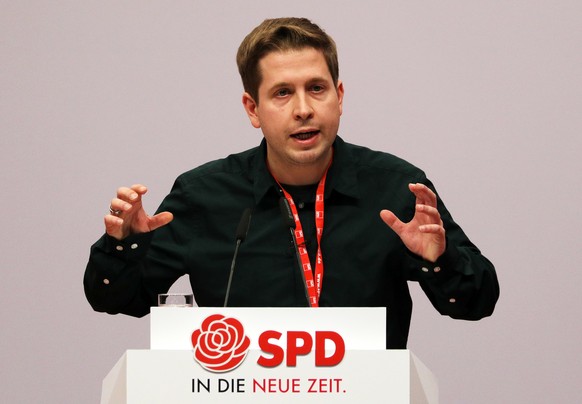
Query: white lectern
pixel 268 355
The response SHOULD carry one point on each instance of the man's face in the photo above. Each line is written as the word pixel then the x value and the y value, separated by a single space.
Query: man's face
pixel 298 112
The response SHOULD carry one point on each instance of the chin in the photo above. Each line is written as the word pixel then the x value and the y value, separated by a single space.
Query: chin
pixel 309 157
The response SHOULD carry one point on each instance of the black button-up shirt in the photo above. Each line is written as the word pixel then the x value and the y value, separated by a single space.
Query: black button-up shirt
pixel 365 262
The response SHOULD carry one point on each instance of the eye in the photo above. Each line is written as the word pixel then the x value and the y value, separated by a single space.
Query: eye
pixel 282 92
pixel 317 88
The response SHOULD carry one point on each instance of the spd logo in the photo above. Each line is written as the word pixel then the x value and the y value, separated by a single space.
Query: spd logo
pixel 220 344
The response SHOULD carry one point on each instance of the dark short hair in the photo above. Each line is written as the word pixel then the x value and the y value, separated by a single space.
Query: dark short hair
pixel 282 34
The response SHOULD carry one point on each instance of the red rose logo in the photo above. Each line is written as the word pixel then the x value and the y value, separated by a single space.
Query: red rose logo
pixel 220 344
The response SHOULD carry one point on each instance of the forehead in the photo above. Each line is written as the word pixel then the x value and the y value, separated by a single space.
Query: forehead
pixel 292 65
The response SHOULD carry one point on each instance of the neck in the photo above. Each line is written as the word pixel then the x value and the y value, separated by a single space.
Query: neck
pixel 297 173
pixel 299 176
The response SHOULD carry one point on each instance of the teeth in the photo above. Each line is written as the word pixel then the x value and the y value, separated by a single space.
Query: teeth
pixel 305 135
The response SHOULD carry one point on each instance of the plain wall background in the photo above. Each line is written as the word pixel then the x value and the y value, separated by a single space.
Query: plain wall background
pixel 485 96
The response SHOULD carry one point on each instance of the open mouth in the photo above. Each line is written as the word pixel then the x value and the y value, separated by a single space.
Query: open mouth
pixel 305 135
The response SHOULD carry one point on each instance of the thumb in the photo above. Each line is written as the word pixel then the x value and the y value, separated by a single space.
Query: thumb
pixel 159 220
pixel 392 221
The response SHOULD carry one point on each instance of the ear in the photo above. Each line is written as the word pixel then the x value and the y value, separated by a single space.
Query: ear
pixel 340 95
pixel 251 107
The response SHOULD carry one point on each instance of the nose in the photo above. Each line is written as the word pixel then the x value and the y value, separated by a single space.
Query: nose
pixel 302 108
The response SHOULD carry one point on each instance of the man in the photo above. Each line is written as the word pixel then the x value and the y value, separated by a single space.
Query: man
pixel 366 222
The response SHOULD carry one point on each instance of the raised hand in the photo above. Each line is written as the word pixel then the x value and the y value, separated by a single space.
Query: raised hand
pixel 127 215
pixel 424 235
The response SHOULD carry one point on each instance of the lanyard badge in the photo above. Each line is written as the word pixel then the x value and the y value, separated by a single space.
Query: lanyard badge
pixel 313 279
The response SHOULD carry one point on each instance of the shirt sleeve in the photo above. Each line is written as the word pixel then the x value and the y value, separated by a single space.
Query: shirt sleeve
pixel 462 283
pixel 126 276
pixel 113 276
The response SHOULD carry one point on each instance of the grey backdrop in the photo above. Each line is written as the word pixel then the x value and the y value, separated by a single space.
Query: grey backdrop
pixel 485 96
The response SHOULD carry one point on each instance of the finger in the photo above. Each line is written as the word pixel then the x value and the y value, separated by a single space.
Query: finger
pixel 424 194
pixel 139 188
pixel 114 226
pixel 119 205
pixel 159 220
pixel 132 194
pixel 112 221
pixel 432 229
pixel 430 211
pixel 392 221
pixel 422 191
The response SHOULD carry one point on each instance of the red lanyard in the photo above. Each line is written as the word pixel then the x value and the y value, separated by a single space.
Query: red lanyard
pixel 313 283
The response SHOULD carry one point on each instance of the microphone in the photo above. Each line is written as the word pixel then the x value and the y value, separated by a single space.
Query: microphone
pixel 288 219
pixel 241 234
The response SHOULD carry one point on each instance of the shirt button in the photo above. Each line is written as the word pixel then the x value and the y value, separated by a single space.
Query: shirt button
pixel 452 300
pixel 106 281
pixel 437 269
pixel 119 248
pixel 301 205
pixel 424 269
pixel 133 246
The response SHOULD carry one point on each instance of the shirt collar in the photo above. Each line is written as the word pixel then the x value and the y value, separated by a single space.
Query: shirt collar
pixel 341 177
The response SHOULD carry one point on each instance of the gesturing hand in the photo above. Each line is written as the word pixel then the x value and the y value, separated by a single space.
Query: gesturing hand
pixel 128 215
pixel 424 235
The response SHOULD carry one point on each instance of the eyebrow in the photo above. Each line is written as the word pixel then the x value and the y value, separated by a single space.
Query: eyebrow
pixel 317 79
